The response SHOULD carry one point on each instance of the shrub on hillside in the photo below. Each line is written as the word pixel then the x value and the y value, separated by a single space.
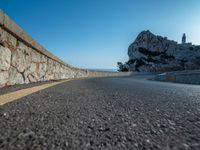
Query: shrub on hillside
pixel 122 67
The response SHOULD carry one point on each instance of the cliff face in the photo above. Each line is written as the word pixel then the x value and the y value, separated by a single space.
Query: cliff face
pixel 155 53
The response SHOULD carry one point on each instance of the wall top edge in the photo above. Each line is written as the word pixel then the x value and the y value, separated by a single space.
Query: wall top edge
pixel 7 24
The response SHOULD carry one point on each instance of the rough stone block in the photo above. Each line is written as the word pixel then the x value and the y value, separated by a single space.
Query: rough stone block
pixel 7 39
pixel 5 58
pixel 3 78
pixel 15 77
pixel 21 58
pixel 35 56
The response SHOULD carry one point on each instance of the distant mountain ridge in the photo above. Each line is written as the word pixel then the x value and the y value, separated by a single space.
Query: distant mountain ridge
pixel 154 53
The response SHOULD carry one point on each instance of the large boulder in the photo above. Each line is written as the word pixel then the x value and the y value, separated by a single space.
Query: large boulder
pixel 158 54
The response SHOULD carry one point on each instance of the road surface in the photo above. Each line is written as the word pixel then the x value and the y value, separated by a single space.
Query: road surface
pixel 104 113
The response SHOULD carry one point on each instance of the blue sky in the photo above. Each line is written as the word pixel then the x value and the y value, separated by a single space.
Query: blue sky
pixel 96 33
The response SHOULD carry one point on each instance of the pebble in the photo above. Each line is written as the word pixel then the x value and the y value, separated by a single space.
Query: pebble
pixel 148 141
pixel 186 146
pixel 134 125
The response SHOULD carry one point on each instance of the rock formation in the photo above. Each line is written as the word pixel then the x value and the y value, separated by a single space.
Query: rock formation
pixel 158 54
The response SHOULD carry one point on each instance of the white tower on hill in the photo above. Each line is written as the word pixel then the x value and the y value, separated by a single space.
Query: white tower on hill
pixel 184 38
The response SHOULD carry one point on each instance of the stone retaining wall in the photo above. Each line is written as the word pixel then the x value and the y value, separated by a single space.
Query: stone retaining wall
pixel 22 60
pixel 187 77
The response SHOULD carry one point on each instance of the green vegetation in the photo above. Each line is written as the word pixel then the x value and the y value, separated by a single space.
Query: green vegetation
pixel 122 67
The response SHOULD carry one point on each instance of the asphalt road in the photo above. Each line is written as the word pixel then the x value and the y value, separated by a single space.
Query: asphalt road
pixel 104 113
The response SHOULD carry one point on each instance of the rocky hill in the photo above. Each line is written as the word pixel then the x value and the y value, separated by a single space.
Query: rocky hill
pixel 154 53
